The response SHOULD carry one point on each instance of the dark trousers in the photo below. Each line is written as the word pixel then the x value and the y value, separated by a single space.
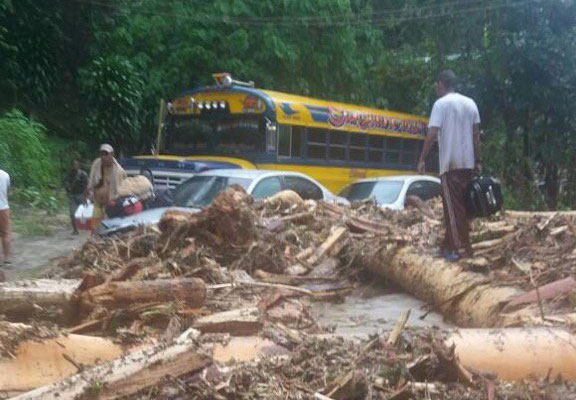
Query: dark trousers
pixel 454 184
pixel 74 201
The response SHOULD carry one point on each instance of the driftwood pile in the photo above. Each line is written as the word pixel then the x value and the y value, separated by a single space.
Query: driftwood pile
pixel 242 268
pixel 323 248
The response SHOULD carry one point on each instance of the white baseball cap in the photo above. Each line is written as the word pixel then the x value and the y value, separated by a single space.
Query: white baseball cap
pixel 107 148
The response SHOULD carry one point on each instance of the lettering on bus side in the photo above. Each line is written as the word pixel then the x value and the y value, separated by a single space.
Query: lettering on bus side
pixel 342 118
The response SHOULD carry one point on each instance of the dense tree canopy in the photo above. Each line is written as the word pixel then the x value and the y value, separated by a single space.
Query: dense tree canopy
pixel 95 70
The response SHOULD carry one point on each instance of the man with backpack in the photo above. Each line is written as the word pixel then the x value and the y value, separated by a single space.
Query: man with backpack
pixel 455 123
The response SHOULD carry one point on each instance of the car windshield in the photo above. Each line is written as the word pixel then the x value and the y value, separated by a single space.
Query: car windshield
pixel 199 191
pixel 385 192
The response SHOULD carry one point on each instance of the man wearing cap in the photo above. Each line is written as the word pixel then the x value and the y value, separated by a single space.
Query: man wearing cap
pixel 105 178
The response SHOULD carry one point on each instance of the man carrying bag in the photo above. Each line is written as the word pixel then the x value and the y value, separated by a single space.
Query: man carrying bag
pixel 455 123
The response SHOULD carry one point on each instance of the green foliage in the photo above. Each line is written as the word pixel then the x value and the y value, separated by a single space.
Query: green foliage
pixel 95 72
pixel 25 152
pixel 37 198
pixel 114 91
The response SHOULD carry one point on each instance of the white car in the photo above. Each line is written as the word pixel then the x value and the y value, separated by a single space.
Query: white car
pixel 199 191
pixel 391 191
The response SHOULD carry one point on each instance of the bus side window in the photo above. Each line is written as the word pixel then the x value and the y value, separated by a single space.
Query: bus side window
pixel 317 139
pixel 410 153
pixel 284 139
pixel 296 147
pixel 338 144
pixel 375 147
pixel 358 146
pixel 393 147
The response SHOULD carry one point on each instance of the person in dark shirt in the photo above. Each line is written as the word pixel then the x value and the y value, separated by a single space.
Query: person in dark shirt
pixel 75 184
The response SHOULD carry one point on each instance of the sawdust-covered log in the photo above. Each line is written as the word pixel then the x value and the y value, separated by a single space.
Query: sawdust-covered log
pixel 517 353
pixel 467 298
pixel 241 322
pixel 189 291
pixel 129 374
pixel 22 299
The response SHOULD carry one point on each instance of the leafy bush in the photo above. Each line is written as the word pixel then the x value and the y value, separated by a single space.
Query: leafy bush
pixel 37 198
pixel 114 91
pixel 25 152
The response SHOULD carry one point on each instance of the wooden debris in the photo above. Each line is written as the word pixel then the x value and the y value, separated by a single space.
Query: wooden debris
pixel 129 374
pixel 336 235
pixel 241 322
pixel 546 292
pixel 22 299
pixel 189 291
pixel 38 363
pixel 398 328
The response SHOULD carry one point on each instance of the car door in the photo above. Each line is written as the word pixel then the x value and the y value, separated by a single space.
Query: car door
pixel 267 187
pixel 307 189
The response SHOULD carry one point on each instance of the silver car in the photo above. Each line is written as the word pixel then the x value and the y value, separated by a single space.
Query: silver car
pixel 391 191
pixel 200 190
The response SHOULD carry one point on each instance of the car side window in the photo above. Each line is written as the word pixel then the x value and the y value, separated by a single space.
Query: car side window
pixel 305 188
pixel 425 190
pixel 432 189
pixel 267 187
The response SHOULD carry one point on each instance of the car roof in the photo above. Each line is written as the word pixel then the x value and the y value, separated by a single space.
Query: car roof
pixel 246 173
pixel 400 178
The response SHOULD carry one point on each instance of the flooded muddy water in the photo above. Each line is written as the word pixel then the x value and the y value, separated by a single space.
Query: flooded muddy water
pixel 374 309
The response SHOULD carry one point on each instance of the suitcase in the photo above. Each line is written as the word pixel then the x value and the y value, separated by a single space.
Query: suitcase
pixel 483 197
pixel 123 206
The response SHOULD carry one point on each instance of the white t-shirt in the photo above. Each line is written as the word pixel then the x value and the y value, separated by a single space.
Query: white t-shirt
pixel 4 186
pixel 455 115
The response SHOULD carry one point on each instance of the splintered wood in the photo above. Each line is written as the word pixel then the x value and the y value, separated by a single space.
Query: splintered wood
pixel 285 240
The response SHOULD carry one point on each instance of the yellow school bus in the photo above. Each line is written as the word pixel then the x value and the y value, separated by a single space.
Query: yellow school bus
pixel 233 125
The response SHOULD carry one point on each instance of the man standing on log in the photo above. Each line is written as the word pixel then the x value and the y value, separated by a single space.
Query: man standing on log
pixel 455 123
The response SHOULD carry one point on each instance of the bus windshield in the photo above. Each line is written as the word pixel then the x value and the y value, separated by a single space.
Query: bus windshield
pixel 226 135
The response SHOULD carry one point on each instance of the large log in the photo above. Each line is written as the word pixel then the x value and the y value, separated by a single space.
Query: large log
pixel 129 374
pixel 517 353
pixel 21 299
pixel 541 214
pixel 467 298
pixel 189 291
pixel 37 363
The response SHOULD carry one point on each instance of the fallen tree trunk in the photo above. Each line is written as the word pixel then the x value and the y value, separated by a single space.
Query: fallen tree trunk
pixel 190 291
pixel 38 362
pixel 127 375
pixel 532 214
pixel 22 299
pixel 467 298
pixel 517 354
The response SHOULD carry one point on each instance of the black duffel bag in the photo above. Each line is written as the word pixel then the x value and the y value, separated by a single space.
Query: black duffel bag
pixel 483 197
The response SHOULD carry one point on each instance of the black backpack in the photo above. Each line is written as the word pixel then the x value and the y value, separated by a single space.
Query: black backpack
pixel 483 197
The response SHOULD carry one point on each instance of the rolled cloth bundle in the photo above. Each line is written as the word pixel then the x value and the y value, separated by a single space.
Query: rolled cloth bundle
pixel 138 186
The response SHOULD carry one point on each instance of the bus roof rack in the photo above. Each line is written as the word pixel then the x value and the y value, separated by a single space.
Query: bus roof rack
pixel 225 79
